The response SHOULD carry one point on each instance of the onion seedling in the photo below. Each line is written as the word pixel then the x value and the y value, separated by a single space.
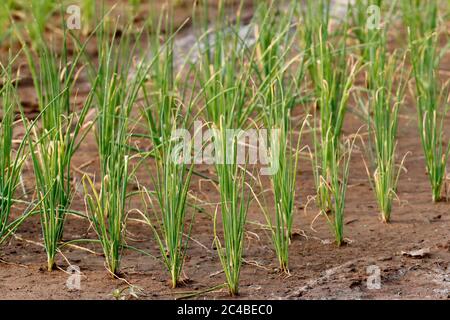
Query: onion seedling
pixel 274 42
pixel 339 173
pixel 284 158
pixel 223 71
pixel 332 79
pixel 382 117
pixel 431 95
pixel 173 174
pixel 53 145
pixel 224 75
pixel 234 204
pixel 117 81
pixel 40 11
pixel 11 161
pixel 367 21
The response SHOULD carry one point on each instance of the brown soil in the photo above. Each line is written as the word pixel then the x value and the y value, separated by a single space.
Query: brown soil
pixel 318 269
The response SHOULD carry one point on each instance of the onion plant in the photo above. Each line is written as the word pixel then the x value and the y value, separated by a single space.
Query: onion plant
pixel 316 21
pixel 284 158
pixel 382 117
pixel 223 70
pixel 224 74
pixel 332 78
pixel 364 22
pixel 278 88
pixel 117 81
pixel 234 204
pixel 40 10
pixel 339 173
pixel 163 114
pixel 53 144
pixel 171 182
pixel 431 95
pixel 358 18
pixel 11 161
